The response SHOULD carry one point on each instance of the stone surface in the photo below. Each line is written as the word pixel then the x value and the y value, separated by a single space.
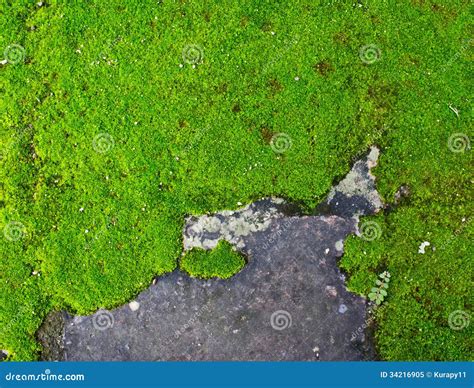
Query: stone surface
pixel 288 303
pixel 356 194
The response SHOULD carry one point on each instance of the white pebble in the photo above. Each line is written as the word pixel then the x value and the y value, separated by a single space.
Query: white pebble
pixel 422 247
pixel 134 306
pixel 342 308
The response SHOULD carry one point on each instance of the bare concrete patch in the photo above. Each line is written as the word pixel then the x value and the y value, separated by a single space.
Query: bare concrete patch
pixel 50 335
pixel 356 194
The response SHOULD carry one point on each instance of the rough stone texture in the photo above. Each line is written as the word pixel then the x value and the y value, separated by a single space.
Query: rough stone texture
pixel 50 335
pixel 206 231
pixel 356 194
pixel 3 354
pixel 288 303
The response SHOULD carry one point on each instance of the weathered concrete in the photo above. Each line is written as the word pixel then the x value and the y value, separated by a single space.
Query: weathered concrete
pixel 288 303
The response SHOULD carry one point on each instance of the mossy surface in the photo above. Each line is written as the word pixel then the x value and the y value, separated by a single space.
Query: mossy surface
pixel 109 138
pixel 223 261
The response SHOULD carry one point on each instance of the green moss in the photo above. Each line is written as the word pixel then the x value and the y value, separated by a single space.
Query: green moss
pixel 223 262
pixel 100 116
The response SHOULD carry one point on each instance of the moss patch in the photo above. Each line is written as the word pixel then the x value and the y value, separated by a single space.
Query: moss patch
pixel 117 121
pixel 223 262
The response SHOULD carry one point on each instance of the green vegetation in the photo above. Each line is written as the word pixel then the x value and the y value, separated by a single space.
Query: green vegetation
pixel 378 294
pixel 109 137
pixel 223 261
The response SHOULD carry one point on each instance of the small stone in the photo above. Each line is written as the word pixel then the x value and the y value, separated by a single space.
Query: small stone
pixel 3 354
pixel 423 245
pixel 331 291
pixel 326 251
pixel 342 308
pixel 134 306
